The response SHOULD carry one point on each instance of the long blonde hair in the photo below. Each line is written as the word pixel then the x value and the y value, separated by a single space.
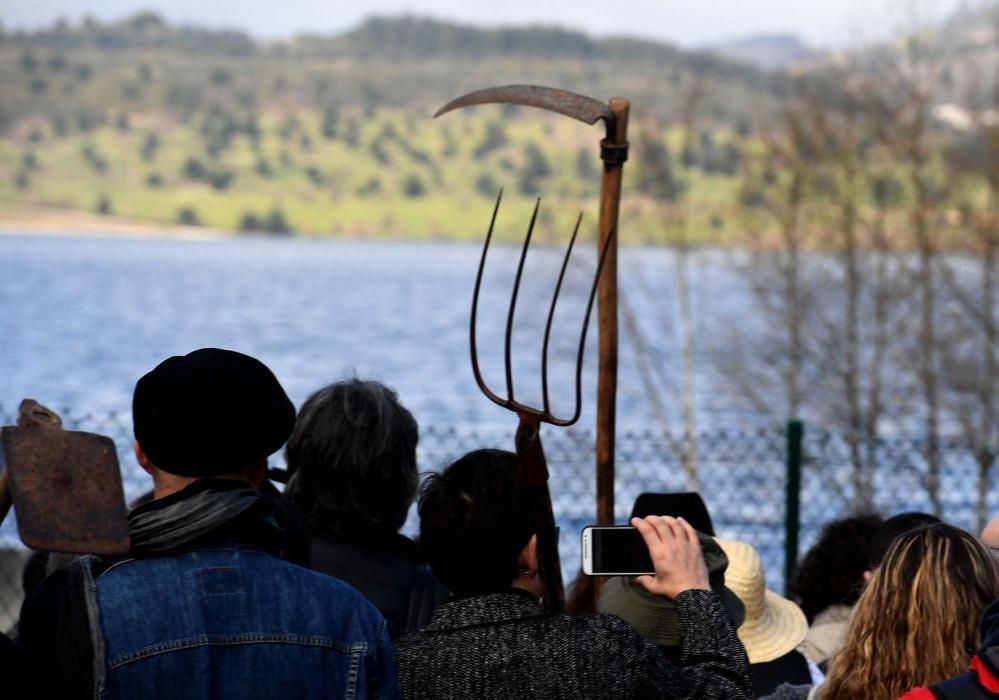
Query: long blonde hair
pixel 917 621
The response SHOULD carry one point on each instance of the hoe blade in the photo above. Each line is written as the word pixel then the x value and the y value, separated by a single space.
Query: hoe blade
pixel 66 489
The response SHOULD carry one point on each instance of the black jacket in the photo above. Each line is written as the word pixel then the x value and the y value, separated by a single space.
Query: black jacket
pixel 503 645
pixel 388 572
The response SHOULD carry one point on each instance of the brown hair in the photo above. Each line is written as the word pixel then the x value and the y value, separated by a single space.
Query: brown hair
pixel 917 621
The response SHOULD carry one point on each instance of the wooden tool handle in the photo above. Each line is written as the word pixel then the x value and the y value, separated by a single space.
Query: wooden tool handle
pixel 5 497
pixel 610 201
pixel 533 469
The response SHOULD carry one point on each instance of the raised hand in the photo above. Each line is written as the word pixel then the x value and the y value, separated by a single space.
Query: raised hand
pixel 675 551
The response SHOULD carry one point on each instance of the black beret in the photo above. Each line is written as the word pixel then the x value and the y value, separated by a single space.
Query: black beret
pixel 210 412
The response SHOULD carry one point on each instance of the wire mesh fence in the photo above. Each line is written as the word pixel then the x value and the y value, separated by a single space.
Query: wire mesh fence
pixel 743 477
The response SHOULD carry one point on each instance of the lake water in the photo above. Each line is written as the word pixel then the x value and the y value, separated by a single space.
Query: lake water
pixel 81 319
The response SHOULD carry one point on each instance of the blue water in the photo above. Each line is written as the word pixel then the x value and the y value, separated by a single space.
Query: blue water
pixel 81 319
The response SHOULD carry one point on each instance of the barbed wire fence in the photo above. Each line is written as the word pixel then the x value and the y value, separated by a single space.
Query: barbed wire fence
pixel 752 481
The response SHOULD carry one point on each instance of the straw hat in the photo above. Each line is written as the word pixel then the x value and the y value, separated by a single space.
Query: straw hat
pixel 774 625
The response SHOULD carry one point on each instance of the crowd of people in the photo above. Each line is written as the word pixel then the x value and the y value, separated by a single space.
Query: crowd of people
pixel 235 589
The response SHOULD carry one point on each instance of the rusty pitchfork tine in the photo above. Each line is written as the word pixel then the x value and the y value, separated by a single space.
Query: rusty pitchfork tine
pixel 508 341
pixel 475 307
pixel 510 403
pixel 551 317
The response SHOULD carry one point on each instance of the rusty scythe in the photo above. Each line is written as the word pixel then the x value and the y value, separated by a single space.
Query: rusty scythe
pixel 613 153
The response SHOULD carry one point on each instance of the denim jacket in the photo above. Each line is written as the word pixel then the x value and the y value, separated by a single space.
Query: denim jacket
pixel 236 622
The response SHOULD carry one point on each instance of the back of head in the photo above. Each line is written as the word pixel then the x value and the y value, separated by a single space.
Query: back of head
pixel 210 412
pixel 352 459
pixel 832 571
pixel 892 528
pixel 475 518
pixel 917 620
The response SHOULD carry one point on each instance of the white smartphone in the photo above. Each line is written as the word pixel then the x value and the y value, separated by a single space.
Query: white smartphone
pixel 615 551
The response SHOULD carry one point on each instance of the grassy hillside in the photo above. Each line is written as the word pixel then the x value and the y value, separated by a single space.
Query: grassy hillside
pixel 153 124
pixel 389 172
pixel 166 125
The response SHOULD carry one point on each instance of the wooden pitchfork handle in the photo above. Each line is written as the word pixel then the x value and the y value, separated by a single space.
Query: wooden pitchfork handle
pixel 533 471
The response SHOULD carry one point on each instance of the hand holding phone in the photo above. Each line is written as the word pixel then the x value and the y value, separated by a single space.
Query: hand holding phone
pixel 615 550
pixel 676 556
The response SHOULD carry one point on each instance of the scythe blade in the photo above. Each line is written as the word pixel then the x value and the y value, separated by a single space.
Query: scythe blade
pixel 585 109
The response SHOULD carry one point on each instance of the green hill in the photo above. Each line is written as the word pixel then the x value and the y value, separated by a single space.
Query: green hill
pixel 332 134
pixel 155 124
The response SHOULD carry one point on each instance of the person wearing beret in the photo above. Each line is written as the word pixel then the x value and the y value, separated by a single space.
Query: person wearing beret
pixel 205 604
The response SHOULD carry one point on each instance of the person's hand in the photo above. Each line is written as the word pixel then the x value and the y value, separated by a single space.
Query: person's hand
pixel 676 556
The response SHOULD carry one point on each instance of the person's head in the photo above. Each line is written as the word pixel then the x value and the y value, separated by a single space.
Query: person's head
pixel 832 571
pixel 476 525
pixel 892 528
pixel 917 620
pixel 352 459
pixel 210 413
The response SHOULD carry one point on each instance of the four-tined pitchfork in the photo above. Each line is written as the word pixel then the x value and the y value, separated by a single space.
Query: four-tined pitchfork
pixel 532 467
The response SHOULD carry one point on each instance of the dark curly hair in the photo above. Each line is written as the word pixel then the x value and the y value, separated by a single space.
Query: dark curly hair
pixel 832 571
pixel 475 518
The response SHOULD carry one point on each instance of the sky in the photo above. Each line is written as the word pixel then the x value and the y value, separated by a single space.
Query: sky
pixel 822 23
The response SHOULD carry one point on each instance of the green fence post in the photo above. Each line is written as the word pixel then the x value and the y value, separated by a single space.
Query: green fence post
pixel 792 509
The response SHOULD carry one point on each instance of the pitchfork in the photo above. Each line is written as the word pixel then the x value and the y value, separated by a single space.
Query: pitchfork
pixel 532 466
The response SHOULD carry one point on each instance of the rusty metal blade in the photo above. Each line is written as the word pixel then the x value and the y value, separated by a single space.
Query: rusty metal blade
pixel 585 109
pixel 66 489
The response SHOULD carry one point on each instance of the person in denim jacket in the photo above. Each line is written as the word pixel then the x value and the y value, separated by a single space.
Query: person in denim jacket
pixel 205 605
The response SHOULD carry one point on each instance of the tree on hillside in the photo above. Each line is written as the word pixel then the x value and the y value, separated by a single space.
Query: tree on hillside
pixel 534 170
pixel 330 119
pixel 150 147
pixel 586 164
pixel 194 169
pixel 95 160
pixel 352 133
pixel 494 139
pixel 188 216
pixel 486 185
pixel 413 187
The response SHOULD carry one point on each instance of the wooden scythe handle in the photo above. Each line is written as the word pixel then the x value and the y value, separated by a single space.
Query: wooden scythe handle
pixel 610 200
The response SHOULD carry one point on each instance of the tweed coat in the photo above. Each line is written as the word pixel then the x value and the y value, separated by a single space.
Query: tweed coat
pixel 503 645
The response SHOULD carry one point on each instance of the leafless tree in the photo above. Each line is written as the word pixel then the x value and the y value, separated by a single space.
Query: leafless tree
pixel 662 181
